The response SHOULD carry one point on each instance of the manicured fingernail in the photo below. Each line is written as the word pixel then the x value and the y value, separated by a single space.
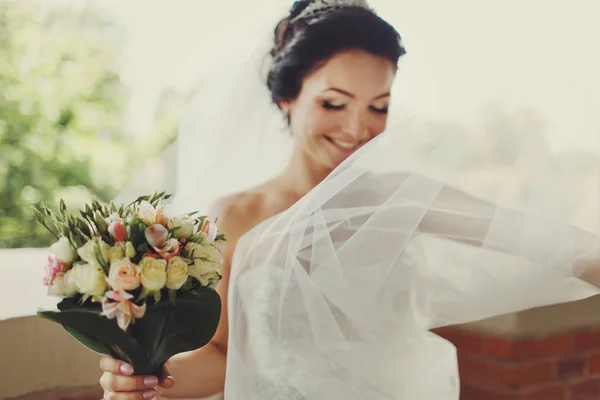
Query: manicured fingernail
pixel 149 394
pixel 151 381
pixel 126 369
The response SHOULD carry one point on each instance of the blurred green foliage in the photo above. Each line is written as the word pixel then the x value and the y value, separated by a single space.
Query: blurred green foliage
pixel 62 108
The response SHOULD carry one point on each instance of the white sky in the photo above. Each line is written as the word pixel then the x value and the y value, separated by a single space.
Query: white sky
pixel 462 53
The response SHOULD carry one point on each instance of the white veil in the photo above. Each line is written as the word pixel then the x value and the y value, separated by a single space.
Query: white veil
pixel 435 222
pixel 232 136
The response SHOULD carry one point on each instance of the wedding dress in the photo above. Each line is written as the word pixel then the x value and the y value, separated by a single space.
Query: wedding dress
pixel 337 295
pixel 433 223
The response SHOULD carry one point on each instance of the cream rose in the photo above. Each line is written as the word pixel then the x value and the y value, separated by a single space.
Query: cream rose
pixel 88 279
pixel 205 254
pixel 207 259
pixel 124 275
pixel 205 277
pixel 153 273
pixel 63 250
pixel 120 251
pixel 186 226
pixel 95 252
pixel 62 286
pixel 177 273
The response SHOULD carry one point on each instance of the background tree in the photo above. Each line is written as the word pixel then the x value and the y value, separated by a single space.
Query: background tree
pixel 61 114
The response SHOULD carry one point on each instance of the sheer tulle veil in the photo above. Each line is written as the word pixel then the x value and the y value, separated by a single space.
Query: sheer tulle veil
pixel 493 208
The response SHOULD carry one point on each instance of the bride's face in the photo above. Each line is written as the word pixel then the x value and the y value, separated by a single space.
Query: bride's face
pixel 341 106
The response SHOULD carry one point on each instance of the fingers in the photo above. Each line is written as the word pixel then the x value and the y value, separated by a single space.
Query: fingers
pixel 167 383
pixel 109 364
pixel 147 395
pixel 118 383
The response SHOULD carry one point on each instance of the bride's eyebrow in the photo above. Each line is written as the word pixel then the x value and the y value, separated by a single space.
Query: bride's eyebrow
pixel 351 95
pixel 341 91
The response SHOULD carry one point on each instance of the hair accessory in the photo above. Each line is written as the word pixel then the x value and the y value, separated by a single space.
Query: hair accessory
pixel 324 6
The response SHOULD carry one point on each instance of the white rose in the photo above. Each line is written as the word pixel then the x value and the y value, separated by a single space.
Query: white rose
pixel 88 279
pixel 63 250
pixel 177 273
pixel 62 286
pixel 153 273
pixel 186 226
pixel 95 252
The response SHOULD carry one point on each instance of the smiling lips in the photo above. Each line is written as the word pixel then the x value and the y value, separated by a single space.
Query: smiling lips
pixel 344 145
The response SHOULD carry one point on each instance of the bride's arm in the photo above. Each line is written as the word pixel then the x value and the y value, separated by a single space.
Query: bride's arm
pixel 503 260
pixel 459 216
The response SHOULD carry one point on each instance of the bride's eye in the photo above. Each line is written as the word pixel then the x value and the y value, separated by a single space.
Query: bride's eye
pixel 330 106
pixel 378 110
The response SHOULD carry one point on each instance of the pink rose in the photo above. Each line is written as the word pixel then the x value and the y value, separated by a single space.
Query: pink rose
pixel 123 275
pixel 116 228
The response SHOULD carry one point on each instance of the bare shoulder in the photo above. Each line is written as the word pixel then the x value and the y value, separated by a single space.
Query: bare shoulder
pixel 238 213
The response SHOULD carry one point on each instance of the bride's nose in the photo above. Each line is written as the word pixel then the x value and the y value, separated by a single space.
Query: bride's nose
pixel 356 127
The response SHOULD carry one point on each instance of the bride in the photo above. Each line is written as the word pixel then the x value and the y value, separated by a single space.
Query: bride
pixel 340 264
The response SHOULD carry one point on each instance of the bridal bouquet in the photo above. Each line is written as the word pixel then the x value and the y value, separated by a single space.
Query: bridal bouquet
pixel 133 282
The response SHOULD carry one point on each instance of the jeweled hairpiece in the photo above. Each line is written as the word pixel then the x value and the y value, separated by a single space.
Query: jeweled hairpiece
pixel 322 6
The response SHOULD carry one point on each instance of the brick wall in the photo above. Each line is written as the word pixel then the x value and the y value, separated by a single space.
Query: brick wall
pixel 558 367
pixel 82 393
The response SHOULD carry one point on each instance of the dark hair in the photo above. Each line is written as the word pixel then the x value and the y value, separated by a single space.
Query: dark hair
pixel 304 45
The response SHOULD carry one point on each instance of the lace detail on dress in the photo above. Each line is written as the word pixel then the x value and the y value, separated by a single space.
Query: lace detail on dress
pixel 371 358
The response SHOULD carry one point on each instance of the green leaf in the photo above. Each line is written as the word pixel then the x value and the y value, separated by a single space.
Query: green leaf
pixel 169 329
pixel 101 335
pixel 166 328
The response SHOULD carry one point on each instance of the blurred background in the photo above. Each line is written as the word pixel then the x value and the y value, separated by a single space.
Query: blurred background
pixel 92 93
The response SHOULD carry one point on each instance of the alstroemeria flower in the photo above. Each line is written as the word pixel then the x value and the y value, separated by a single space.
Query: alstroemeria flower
pixel 210 229
pixel 55 266
pixel 156 235
pixel 122 308
pixel 151 215
pixel 170 248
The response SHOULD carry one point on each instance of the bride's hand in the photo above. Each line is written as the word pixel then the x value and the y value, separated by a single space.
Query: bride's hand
pixel 119 384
